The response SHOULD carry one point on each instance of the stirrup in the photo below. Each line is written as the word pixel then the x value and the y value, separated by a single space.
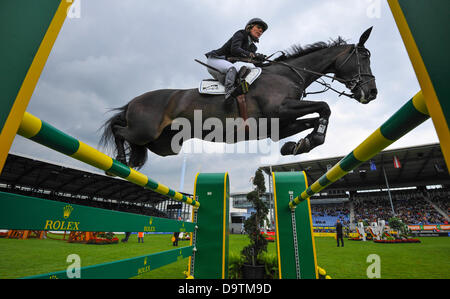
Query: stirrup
pixel 243 72
pixel 240 89
pixel 244 86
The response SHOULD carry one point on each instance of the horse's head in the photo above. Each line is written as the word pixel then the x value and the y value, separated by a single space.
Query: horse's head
pixel 354 70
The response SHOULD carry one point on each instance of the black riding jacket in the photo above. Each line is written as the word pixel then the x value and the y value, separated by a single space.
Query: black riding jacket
pixel 240 45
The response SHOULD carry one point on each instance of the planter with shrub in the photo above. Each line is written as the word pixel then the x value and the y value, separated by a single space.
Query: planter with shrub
pixel 253 266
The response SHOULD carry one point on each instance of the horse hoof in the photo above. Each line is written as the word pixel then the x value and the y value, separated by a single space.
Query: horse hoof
pixel 288 148
pixel 303 146
pixel 121 159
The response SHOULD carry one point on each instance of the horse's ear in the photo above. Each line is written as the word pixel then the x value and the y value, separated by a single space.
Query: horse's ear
pixel 364 37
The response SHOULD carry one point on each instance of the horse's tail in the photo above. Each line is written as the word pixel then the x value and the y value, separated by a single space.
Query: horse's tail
pixel 107 138
pixel 136 154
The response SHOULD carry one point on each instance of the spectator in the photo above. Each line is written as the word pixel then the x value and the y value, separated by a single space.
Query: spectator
pixel 409 206
pixel 339 233
pixel 176 235
pixel 140 237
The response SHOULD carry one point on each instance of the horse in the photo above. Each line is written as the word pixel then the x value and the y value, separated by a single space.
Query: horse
pixel 146 122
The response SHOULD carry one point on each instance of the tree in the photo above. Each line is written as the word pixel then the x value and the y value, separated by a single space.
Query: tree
pixel 258 244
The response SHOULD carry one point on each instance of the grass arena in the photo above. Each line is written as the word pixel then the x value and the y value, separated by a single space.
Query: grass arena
pixel 347 263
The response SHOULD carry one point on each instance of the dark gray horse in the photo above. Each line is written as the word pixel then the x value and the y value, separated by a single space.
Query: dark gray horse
pixel 145 122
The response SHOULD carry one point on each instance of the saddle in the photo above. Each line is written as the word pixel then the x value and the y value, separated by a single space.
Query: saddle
pixel 215 87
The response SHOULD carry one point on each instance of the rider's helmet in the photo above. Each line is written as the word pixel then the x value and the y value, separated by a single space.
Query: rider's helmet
pixel 256 21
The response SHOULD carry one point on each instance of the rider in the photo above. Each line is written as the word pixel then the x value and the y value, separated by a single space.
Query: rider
pixel 241 45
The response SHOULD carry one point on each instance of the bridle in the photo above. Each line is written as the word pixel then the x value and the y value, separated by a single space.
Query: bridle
pixel 355 82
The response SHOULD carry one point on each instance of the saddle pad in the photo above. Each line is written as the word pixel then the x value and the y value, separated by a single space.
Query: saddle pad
pixel 214 87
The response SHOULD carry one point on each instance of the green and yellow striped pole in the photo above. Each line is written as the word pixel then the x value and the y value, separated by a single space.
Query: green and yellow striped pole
pixel 41 132
pixel 412 114
pixel 28 31
pixel 423 26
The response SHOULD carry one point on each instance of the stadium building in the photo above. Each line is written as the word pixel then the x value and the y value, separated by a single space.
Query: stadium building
pixel 411 183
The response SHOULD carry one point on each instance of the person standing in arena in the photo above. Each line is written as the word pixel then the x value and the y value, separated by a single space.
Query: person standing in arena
pixel 140 237
pixel 339 233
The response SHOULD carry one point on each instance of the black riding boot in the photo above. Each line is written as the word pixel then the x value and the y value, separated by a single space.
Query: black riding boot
pixel 243 72
pixel 230 84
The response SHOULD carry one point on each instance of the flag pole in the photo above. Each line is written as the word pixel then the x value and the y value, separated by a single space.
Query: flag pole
pixel 271 208
pixel 389 191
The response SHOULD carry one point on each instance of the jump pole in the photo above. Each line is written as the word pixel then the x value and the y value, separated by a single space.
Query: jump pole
pixel 29 42
pixel 407 118
pixel 43 133
pixel 423 27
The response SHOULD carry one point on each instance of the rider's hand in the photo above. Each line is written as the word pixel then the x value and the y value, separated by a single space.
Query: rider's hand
pixel 252 55
pixel 260 57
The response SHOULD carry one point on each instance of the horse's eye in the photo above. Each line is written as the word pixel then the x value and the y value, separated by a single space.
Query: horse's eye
pixel 365 54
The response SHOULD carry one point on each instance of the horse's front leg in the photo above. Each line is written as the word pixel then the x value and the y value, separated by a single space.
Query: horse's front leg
pixel 293 109
pixel 296 126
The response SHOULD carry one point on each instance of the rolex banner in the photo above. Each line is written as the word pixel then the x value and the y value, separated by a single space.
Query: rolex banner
pixel 30 213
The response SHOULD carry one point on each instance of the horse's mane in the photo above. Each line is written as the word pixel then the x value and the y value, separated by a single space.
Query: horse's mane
pixel 297 51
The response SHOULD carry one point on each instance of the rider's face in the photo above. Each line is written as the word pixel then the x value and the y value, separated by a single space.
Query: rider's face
pixel 256 31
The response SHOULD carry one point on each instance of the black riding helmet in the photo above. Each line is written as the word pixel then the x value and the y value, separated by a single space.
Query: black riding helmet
pixel 257 21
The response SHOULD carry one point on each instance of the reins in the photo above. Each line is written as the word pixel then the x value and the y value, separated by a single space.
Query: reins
pixel 350 83
pixel 327 85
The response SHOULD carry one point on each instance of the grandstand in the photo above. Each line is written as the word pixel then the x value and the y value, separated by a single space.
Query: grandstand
pixel 38 178
pixel 418 192
pixel 326 215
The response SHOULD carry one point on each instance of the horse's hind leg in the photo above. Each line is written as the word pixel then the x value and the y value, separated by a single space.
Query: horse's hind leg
pixel 136 150
pixel 120 145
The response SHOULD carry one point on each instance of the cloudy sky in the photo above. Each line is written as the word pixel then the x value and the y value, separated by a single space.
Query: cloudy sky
pixel 111 51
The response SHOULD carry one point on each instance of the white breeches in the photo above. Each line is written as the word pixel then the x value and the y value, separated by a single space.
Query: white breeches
pixel 224 65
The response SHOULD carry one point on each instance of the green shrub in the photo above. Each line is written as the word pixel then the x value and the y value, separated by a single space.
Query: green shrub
pixel 270 261
pixel 235 262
